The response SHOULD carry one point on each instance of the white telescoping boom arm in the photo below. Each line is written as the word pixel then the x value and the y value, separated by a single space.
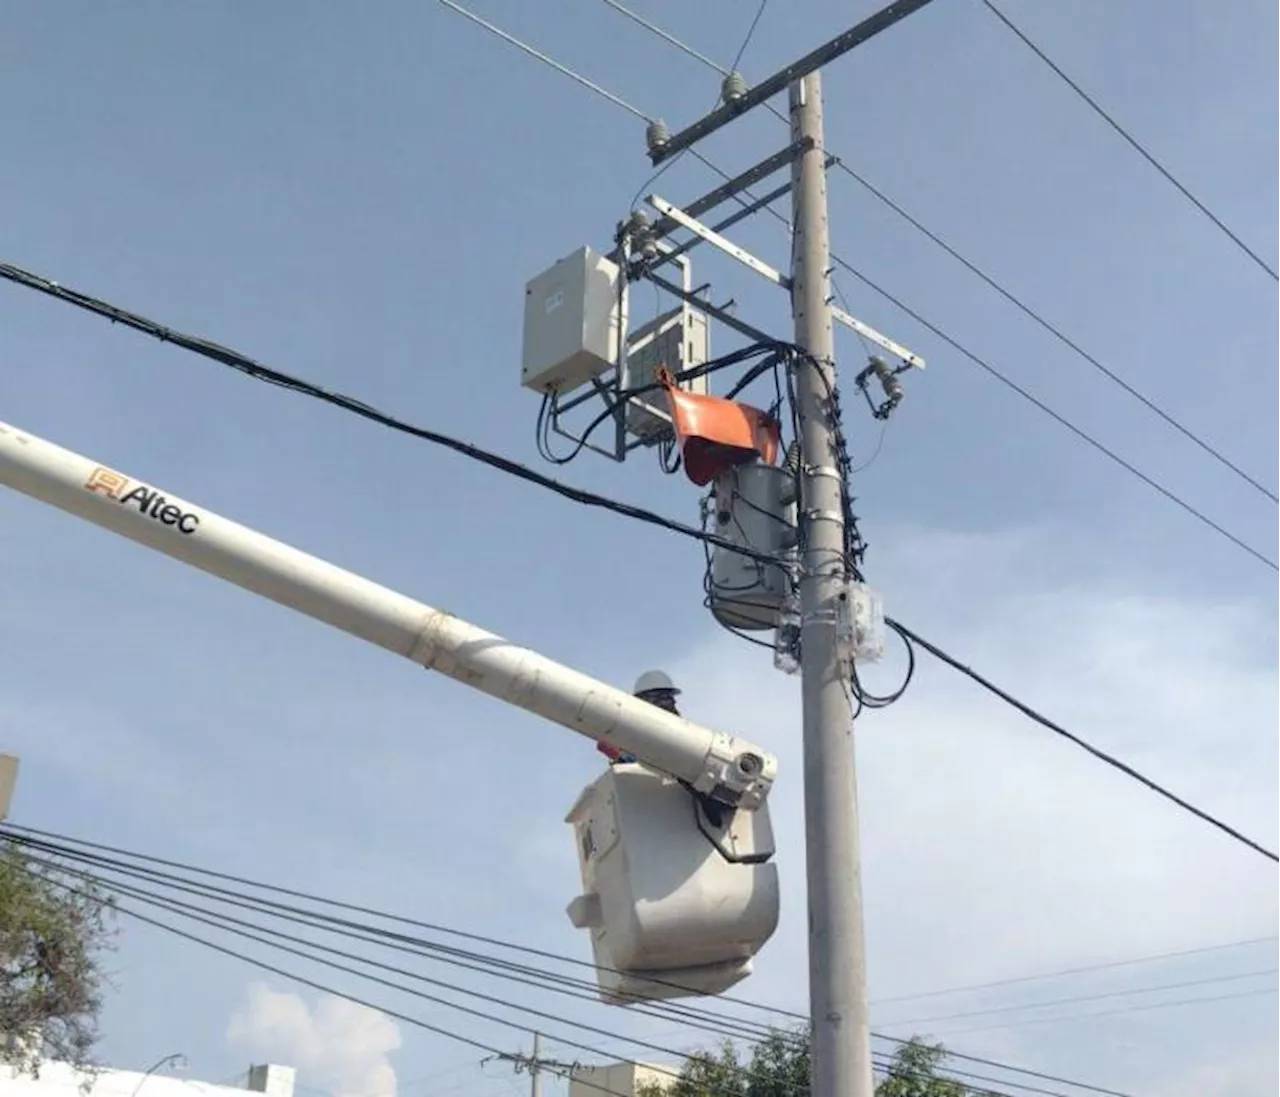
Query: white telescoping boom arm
pixel 724 767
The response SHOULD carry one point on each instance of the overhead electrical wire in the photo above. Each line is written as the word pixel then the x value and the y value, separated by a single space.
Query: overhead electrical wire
pixel 653 28
pixel 248 366
pixel 1101 755
pixel 58 844
pixel 751 30
pixel 303 980
pixel 564 70
pixel 68 848
pixel 1133 142
pixel 1079 432
pixel 1078 998
pixel 1031 313
pixel 105 869
pixel 1111 1012
pixel 1062 337
pixel 274 937
pixel 1086 969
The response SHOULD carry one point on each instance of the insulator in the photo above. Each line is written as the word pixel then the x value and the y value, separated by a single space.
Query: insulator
pixel 733 88
pixel 656 135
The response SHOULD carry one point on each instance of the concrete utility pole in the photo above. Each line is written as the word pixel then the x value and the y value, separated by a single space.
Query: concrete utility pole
pixel 841 1054
pixel 535 1064
pixel 837 950
pixel 535 1071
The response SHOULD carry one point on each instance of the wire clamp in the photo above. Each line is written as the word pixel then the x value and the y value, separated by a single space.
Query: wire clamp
pixel 824 516
pixel 829 471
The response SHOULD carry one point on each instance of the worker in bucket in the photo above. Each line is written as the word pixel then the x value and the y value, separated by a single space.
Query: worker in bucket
pixel 656 687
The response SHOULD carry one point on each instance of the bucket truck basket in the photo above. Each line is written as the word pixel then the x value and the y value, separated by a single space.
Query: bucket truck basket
pixel 677 901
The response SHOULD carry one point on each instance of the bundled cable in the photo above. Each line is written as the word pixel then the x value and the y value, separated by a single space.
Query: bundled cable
pixel 244 364
pixel 138 883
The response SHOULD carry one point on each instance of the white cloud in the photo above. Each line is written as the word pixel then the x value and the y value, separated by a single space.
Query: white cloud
pixel 338 1046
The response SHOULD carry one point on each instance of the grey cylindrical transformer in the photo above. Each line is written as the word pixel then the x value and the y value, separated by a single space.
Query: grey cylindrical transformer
pixel 755 508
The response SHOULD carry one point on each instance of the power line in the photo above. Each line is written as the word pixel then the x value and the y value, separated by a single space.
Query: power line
pixel 1133 141
pixel 1101 755
pixel 218 920
pixel 1062 337
pixel 551 62
pixel 750 31
pixel 368 934
pixel 1114 1012
pixel 227 924
pixel 248 366
pixel 1002 1066
pixel 1062 420
pixel 665 35
pixel 273 937
pixel 324 989
pixel 1004 291
pixel 55 845
pixel 1075 999
pixel 1086 969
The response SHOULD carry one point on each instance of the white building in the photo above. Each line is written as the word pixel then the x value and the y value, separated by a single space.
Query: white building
pixel 61 1080
pixel 622 1079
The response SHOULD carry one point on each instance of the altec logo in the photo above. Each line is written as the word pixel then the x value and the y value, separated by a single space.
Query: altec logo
pixel 148 500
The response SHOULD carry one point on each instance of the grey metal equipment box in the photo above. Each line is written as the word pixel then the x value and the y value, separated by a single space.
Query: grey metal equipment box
pixel 678 340
pixel 570 323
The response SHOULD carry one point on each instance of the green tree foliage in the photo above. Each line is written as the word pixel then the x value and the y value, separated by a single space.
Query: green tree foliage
pixel 51 942
pixel 914 1073
pixel 779 1067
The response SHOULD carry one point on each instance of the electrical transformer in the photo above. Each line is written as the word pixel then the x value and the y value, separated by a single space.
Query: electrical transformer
pixel 677 896
pixel 755 507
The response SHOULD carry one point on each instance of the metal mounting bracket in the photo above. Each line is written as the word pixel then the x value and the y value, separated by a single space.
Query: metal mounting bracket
pixel 683 219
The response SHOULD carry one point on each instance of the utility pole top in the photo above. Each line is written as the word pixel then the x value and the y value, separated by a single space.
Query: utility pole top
pixel 535 1064
pixel 662 147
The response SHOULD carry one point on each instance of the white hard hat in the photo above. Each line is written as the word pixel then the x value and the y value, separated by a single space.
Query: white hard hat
pixel 654 680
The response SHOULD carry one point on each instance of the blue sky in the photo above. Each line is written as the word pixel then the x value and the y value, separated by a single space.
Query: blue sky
pixel 359 196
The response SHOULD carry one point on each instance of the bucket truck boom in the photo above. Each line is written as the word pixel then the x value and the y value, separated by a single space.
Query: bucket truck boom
pixel 723 767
